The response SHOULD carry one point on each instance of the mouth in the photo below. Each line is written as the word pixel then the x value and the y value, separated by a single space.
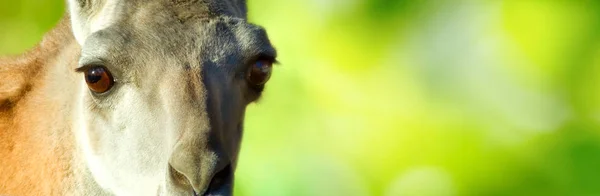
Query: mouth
pixel 221 184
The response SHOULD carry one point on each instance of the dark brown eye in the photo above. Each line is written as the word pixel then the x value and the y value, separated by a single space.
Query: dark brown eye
pixel 98 79
pixel 259 73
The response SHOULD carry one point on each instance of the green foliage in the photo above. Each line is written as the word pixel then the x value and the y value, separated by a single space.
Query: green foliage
pixel 22 23
pixel 383 97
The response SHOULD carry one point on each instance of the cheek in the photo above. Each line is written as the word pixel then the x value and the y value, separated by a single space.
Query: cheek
pixel 127 141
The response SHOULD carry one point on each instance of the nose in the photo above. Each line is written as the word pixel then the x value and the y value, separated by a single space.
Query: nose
pixel 201 173
pixel 221 183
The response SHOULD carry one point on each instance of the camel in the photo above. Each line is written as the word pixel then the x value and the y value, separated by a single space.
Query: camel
pixel 132 97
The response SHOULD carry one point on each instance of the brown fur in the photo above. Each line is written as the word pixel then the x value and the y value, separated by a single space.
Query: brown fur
pixel 35 161
pixel 182 63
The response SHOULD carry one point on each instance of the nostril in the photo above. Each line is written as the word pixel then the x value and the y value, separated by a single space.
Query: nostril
pixel 178 177
pixel 220 184
pixel 221 181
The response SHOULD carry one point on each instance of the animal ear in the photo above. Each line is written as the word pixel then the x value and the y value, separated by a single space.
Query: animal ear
pixel 89 16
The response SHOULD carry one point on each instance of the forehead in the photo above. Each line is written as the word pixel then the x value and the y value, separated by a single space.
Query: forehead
pixel 151 32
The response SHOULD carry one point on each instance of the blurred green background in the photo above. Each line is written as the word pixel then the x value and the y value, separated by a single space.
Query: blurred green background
pixel 398 97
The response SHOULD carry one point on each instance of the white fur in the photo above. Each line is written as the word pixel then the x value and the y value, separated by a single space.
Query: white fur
pixel 117 171
pixel 85 25
pixel 80 29
pixel 108 15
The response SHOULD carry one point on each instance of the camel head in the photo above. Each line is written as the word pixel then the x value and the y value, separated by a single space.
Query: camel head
pixel 163 91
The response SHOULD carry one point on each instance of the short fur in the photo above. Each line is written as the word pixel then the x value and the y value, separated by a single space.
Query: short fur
pixel 171 122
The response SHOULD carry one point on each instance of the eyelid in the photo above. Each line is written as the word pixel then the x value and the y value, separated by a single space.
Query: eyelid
pixel 265 57
pixel 85 67
pixel 86 63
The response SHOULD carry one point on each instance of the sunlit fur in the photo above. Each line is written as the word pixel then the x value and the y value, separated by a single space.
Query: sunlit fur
pixel 177 106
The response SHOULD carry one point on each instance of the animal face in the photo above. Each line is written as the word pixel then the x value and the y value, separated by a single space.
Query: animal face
pixel 163 91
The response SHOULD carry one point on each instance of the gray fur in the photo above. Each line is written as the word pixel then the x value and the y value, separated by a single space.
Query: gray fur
pixel 175 116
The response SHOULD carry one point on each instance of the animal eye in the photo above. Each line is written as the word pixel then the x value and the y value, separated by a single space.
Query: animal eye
pixel 99 79
pixel 259 73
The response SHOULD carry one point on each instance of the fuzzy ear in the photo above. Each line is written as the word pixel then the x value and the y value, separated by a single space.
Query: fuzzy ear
pixel 89 16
